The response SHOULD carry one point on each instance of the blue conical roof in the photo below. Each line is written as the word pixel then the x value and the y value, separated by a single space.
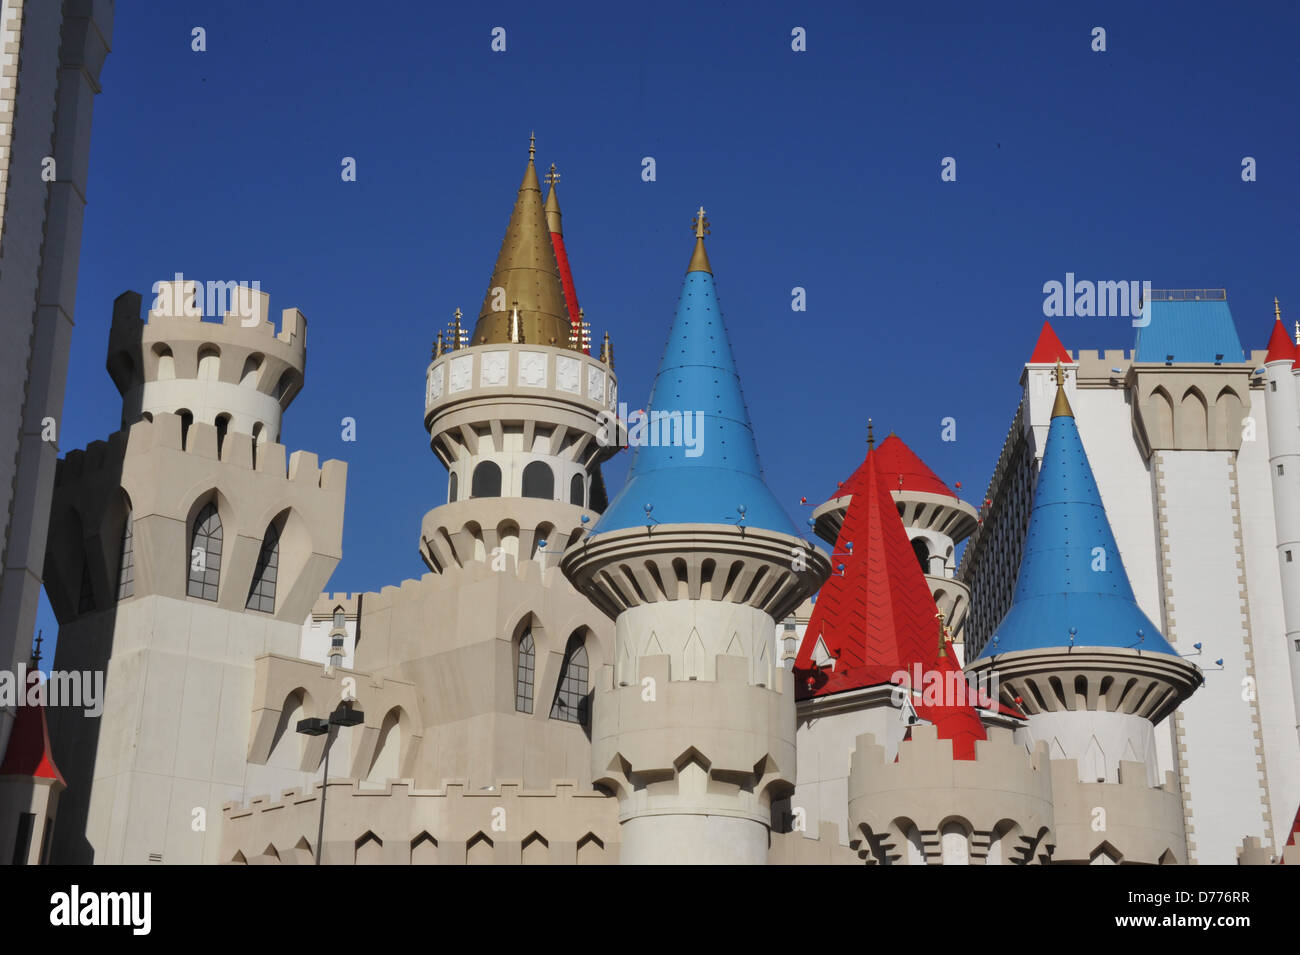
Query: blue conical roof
pixel 709 482
pixel 1071 575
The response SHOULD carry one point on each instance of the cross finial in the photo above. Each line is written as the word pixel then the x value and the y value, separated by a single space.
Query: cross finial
pixel 1059 374
pixel 700 224
pixel 552 177
pixel 532 145
pixel 871 435
pixel 36 650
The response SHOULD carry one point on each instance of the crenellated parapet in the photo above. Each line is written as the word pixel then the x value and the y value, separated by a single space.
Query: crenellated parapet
pixel 240 373
pixel 733 757
pixel 927 807
pixel 162 475
pixel 400 824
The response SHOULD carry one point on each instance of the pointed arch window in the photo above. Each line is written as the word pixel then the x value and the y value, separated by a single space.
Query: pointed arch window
pixel 571 694
pixel 261 595
pixel 453 487
pixel 205 554
pixel 525 668
pixel 126 562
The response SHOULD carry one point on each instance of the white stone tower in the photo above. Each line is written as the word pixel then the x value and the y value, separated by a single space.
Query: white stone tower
pixel 181 550
pixel 1284 471
pixel 693 724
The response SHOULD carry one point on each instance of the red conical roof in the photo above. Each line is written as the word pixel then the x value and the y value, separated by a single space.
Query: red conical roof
pixel 1280 346
pixel 28 753
pixel 1048 350
pixel 877 617
pixel 562 260
pixel 898 467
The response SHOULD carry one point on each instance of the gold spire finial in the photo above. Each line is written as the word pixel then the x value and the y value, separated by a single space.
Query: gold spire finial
pixel 532 145
pixel 552 177
pixel 871 435
pixel 1061 408
pixel 454 332
pixel 437 347
pixel 700 258
pixel 1277 309
pixel 943 647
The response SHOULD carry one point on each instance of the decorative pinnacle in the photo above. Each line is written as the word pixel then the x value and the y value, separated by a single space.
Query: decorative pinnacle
pixel 552 177
pixel 943 647
pixel 700 224
pixel 454 332
pixel 1061 408
pixel 532 145
pixel 437 347
pixel 700 258
pixel 871 435
pixel 36 650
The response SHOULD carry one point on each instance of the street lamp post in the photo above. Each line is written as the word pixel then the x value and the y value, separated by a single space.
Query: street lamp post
pixel 345 715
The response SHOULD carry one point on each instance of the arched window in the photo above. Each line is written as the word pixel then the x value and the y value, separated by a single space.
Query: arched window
pixel 261 596
pixel 539 481
pixel 922 551
pixel 205 554
pixel 209 364
pixel 340 618
pixel 187 419
pixel 223 425
pixel 571 694
pixel 453 486
pixel 486 481
pixel 126 562
pixel 524 669
pixel 575 490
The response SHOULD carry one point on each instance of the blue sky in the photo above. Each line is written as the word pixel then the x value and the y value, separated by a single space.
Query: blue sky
pixel 819 169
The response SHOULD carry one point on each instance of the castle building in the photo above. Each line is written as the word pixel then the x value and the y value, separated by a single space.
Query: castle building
pixel 1185 450
pixel 580 680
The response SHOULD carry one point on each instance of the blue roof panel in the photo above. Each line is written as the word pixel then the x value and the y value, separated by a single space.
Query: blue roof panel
pixel 1191 331
pixel 1071 576
pixel 711 482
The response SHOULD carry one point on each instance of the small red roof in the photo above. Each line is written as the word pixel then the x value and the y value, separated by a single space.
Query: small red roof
pixel 1280 346
pixel 898 467
pixel 1049 350
pixel 878 617
pixel 28 753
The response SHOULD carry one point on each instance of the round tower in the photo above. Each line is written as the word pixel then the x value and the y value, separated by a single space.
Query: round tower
pixel 516 409
pixel 1075 652
pixel 1284 471
pixel 238 375
pixel 693 726
pixel 936 519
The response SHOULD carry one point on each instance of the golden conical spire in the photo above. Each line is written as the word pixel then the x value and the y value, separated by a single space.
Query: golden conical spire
pixel 700 258
pixel 553 202
pixel 1061 409
pixel 525 272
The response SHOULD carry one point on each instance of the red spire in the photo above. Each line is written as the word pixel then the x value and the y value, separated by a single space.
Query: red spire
pixel 891 461
pixel 878 617
pixel 1049 350
pixel 1280 346
pixel 562 257
pixel 29 747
